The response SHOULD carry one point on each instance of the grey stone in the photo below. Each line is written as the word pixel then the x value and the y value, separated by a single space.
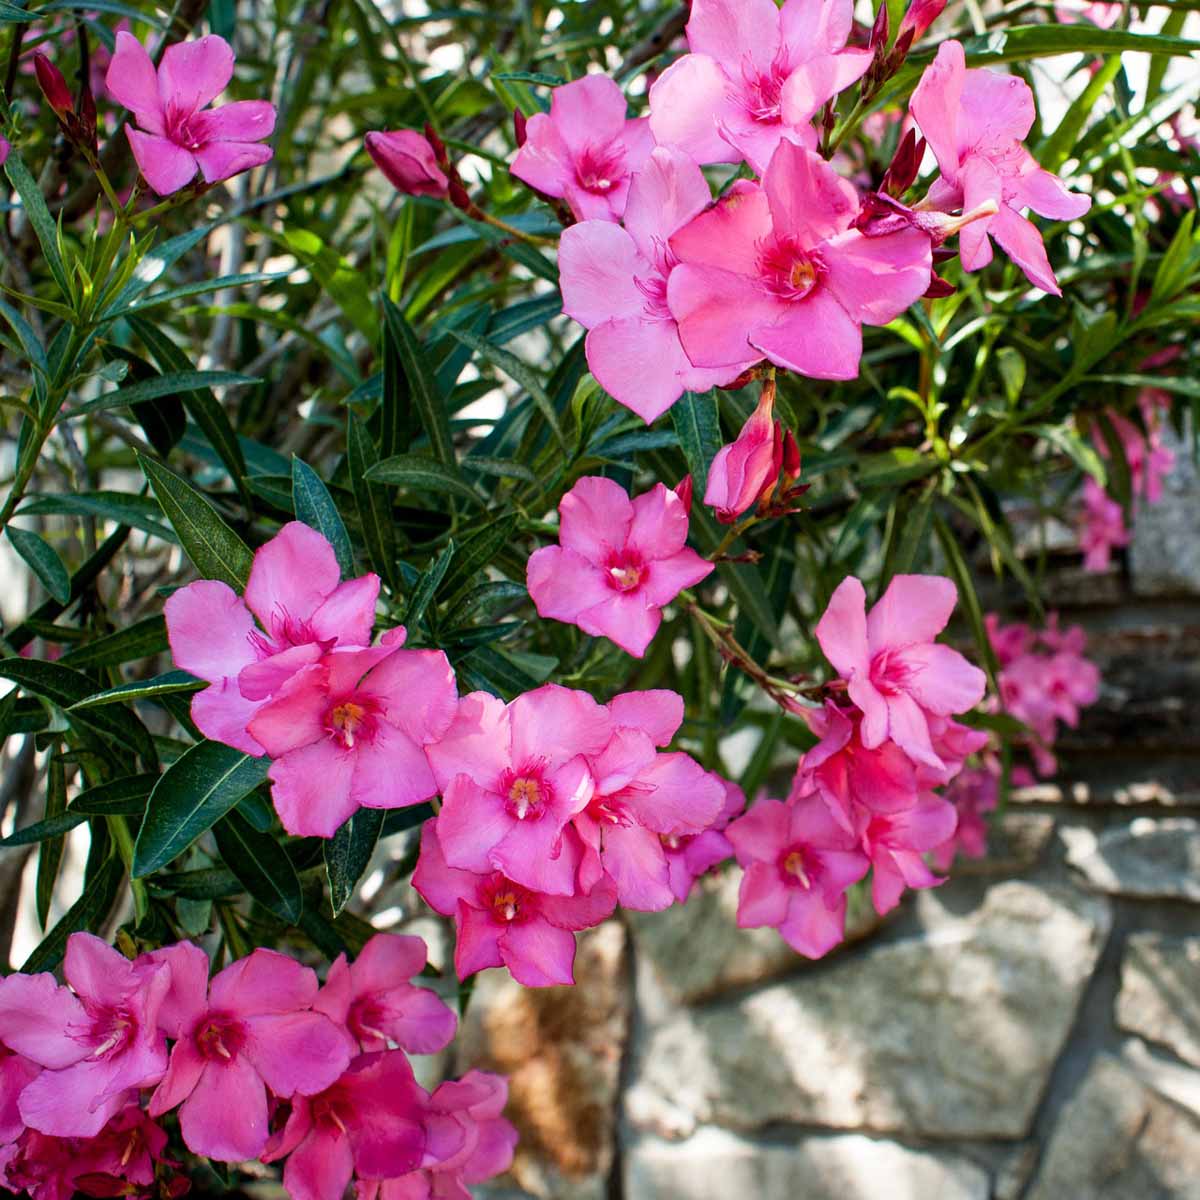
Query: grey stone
pixel 1160 992
pixel 1164 552
pixel 1119 1140
pixel 1147 858
pixel 953 1032
pixel 715 1164
pixel 1015 844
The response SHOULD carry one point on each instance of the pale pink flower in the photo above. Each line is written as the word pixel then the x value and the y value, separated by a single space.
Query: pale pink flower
pixel 585 151
pixel 1102 527
pixel 618 562
pixel 747 471
pixel 302 611
pixel 408 160
pixel 614 283
pixel 1149 461
pixel 756 76
pixel 974 122
pixel 352 731
pixel 1103 13
pixel 895 672
pixel 896 843
pixel 249 1030
pixel 778 270
pixel 689 856
pixel 375 1000
pixel 974 794
pixel 502 923
pixel 176 137
pixel 798 862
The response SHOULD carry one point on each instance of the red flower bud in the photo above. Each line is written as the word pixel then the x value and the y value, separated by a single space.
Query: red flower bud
pixel 921 14
pixel 54 86
pixel 879 31
pixel 938 288
pixel 683 489
pixel 904 166
pixel 409 162
pixel 519 123
pixel 459 197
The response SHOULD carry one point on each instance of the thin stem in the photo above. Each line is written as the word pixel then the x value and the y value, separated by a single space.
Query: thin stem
pixel 535 239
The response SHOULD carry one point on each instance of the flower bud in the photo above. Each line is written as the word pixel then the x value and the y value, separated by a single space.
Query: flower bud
pixel 683 489
pixel 54 86
pixel 747 470
pixel 519 123
pixel 904 166
pixel 921 14
pixel 409 161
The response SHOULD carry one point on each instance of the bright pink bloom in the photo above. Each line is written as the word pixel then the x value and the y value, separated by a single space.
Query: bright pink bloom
pixel 798 863
pixel 1149 461
pixel 896 673
pixel 1008 641
pixel 779 270
pixel 512 776
pixel 953 744
pixel 756 76
pixel 95 1045
pixel 974 122
pixel 352 731
pixel 409 162
pixel 974 794
pixel 249 1030
pixel 176 137
pixel 614 283
pixel 1102 529
pixel 1103 13
pixel 896 844
pixel 745 471
pixel 657 712
pixel 618 563
pixel 501 923
pixel 126 1151
pixel 369 1123
pixel 302 610
pixel 44 1167
pixel 375 1000
pixel 691 855
pixel 584 151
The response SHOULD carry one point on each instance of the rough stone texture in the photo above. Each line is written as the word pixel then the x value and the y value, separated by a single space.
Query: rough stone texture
pixel 1015 844
pixel 1119 1140
pixel 950 1033
pixel 715 1164
pixel 1164 553
pixel 1147 857
pixel 1160 992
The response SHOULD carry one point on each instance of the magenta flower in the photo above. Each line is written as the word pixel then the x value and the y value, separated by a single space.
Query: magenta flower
pixel 1102 528
pixel 5 147
pixel 756 76
pixel 779 270
pixel 126 1151
pixel 584 151
pixel 614 283
pixel 896 673
pixel 408 160
pixel 302 610
pixel 657 712
pixel 15 1072
pixel 798 863
pixel 95 1045
pixel 176 137
pixel 974 794
pixel 502 923
pixel 689 856
pixel 375 1000
pixel 896 844
pixel 974 122
pixel 918 18
pixel 511 777
pixel 618 563
pixel 351 731
pixel 249 1030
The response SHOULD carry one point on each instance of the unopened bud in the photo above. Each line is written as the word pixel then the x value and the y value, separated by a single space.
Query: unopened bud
pixel 459 197
pixel 519 123
pixel 904 166
pixel 921 14
pixel 54 86
pixel 880 30
pixel 409 162
pixel 683 489
pixel 938 288
pixel 791 458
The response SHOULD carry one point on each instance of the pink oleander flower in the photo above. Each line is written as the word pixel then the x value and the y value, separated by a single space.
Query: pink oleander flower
pixel 1149 461
pixel 251 1029
pixel 614 283
pixel 409 161
pixel 1103 13
pixel 974 794
pixel 585 151
pixel 375 1000
pixel 778 270
pixel 974 122
pixel 896 843
pixel 15 1072
pixel 618 563
pixel 1102 527
pixel 500 922
pixel 691 856
pixel 302 611
pixel 511 777
pixel 352 730
pixel 895 672
pixel 953 744
pixel 127 1151
pixel 176 137
pixel 41 1166
pixel 1008 641
pixel 756 76
pixel 95 1044
pixel 798 862
pixel 368 1123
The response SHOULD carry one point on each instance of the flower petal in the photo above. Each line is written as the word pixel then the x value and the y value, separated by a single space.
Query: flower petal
pixel 193 74
pixel 166 166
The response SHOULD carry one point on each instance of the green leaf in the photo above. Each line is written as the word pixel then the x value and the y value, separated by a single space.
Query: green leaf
pixel 908 552
pixel 124 797
pixel 476 550
pixel 422 385
pixel 348 853
pixel 502 468
pixel 176 383
pixel 193 794
pixel 1119 478
pixel 140 640
pixel 486 598
pixel 315 507
pixel 51 827
pixel 88 913
pixel 415 472
pixel 859 521
pixel 1168 383
pixel 216 551
pixel 423 593
pixel 138 512
pixel 698 427
pixel 371 500
pixel 40 219
pixel 261 865
pixel 1066 438
pixel 339 278
pixel 968 597
pixel 42 559
pixel 167 684
pixel 50 853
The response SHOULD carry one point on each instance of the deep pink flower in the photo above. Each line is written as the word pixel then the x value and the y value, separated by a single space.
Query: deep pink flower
pixel 1102 528
pixel 95 1045
pixel 15 1072
pixel 896 843
pixel 176 137
pixel 352 731
pixel 756 76
pixel 512 776
pixel 974 122
pixel 1008 641
pixel 249 1030
pixel 614 283
pixel 45 1167
pixel 918 18
pixel 502 923
pixel 618 563
pixel 375 1000
pixel 584 151
pixel 691 855
pixel 409 162
pixel 748 469
pixel 896 673
pixel 974 794
pixel 798 863
pixel 126 1151
pixel 302 610
pixel 779 270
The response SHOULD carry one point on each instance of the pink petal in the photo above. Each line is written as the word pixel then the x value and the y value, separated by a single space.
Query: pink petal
pixel 875 713
pixel 295 716
pixel 640 363
pixel 686 798
pixel 669 576
pixel 811 928
pixel 208 627
pixel 876 279
pixel 997 109
pixel 887 885
pixel 942 680
pixel 727 235
pixel 588 110
pixel 531 854
pixel 762 897
pixel 241 121
pixel 820 79
pixel 392 771
pixel 265 981
pixel 668 191
pixel 297 1051
pixel 225 1117
pixel 817 338
pixel 1048 196
pixel 183 1073
pixel 908 727
pixel 735 31
pixel 594 518
pixel 716 312
pixel 634 860
pixel 418 692
pixel 477 945
pixel 597 263
pixel 97 971
pixel 193 74
pixel 562 584
pixel 477 743
pixel 657 713
pixel 808 199
pixel 981 183
pixel 580 912
pixel 16 1073
pixel 629 753
pixel 291 577
pixel 812 27
pixel 35 1013
pixel 320 1168
pixel 842 632
pixel 555 724
pixel 757 141
pixel 133 82
pixel 71 1102
pixel 471 824
pixel 913 610
pixel 689 102
pixel 348 613
pixel 1023 244
pixel 311 789
pixel 166 166
pixel 187 994
pixel 441 885
pixel 261 680
pixel 544 162
pixel 538 954
pixel 420 1022
pixel 936 104
pixel 222 713
pixel 222 160
pixel 660 523
pixel 629 621
pixel 761 833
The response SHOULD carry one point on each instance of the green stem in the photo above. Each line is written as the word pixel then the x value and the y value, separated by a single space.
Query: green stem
pixel 118 828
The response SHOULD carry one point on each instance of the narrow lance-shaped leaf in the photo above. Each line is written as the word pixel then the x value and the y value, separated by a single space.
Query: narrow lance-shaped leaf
pixel 422 385
pixel 42 559
pixel 315 507
pixel 348 853
pixel 261 866
pixel 371 500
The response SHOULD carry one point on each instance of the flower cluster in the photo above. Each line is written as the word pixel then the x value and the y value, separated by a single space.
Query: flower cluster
pixel 260 1061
